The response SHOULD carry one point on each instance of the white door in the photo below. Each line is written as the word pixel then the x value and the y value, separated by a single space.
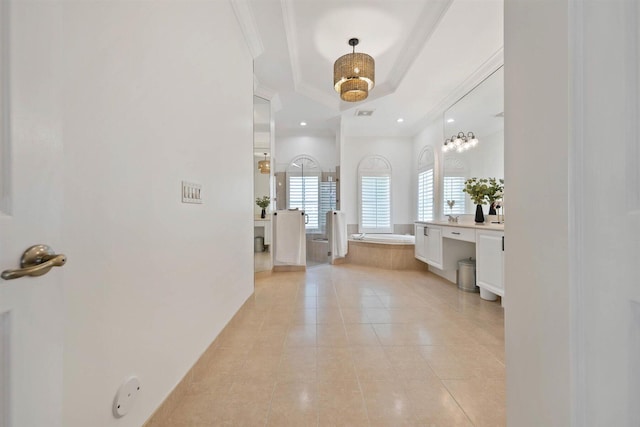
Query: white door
pixel 31 180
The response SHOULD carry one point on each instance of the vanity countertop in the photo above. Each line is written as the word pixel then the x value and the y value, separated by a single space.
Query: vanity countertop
pixel 485 226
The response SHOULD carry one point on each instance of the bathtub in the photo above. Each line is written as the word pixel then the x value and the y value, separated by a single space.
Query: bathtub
pixel 388 251
pixel 386 239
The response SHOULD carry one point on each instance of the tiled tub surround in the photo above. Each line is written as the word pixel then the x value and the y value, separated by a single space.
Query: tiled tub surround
pixel 349 345
pixel 381 255
pixel 397 229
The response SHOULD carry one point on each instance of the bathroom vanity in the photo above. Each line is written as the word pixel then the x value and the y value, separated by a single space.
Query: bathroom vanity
pixel 262 227
pixel 442 244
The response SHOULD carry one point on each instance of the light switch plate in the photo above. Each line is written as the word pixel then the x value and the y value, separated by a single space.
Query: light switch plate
pixel 191 192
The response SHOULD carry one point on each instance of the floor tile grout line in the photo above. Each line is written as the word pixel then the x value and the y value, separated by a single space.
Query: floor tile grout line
pixel 457 403
pixel 289 322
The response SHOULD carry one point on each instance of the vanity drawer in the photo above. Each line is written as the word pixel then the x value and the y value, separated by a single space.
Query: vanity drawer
pixel 459 233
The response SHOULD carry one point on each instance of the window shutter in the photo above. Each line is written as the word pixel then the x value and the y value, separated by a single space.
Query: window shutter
pixel 327 201
pixel 453 186
pixel 303 194
pixel 376 202
pixel 425 195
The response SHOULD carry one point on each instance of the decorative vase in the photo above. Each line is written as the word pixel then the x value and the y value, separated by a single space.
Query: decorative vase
pixel 263 214
pixel 479 214
pixel 492 209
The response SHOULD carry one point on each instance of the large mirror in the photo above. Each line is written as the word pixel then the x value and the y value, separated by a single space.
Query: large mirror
pixel 481 112
pixel 262 161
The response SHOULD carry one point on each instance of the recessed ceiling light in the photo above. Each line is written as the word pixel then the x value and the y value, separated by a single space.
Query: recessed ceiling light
pixel 303 123
pixel 400 120
pixel 450 121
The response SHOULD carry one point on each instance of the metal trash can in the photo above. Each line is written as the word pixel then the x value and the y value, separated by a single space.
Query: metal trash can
pixel 467 275
pixel 258 244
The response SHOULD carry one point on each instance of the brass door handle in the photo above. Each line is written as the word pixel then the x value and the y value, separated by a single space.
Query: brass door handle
pixel 36 261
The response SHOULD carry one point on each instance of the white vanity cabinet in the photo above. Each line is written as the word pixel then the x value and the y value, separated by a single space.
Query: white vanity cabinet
pixel 490 261
pixel 420 245
pixel 442 245
pixel 433 245
pixel 266 225
pixel 428 246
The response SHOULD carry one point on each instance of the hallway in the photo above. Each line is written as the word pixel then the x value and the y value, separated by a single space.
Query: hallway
pixel 351 345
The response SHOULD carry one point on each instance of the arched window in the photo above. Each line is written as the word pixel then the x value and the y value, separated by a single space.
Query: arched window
pixel 303 189
pixel 426 197
pixel 374 195
pixel 454 199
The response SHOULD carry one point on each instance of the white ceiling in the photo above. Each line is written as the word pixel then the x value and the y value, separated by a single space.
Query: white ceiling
pixel 427 53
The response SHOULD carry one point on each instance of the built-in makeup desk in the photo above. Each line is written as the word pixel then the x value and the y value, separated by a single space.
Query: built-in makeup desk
pixel 262 227
pixel 441 244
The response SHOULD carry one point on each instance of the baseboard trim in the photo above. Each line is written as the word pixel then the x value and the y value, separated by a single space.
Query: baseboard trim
pixel 170 403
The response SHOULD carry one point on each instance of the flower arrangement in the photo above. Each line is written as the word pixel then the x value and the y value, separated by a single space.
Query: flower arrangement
pixel 496 190
pixel 477 189
pixel 263 201
pixel 484 190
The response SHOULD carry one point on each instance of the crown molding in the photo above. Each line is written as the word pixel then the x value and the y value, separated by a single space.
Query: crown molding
pixel 267 93
pixel 248 26
pixel 290 31
pixel 487 68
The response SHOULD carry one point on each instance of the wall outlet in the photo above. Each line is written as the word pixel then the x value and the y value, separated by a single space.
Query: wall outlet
pixel 126 397
pixel 191 192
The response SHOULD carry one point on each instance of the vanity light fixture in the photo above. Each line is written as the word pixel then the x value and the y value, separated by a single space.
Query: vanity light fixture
pixel 264 166
pixel 460 142
pixel 354 74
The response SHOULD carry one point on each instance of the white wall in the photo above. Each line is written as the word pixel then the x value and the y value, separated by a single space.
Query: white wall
pixel 536 174
pixel 321 148
pixel 150 281
pixel 432 135
pixel 606 185
pixel 573 319
pixel 398 151
pixel 486 160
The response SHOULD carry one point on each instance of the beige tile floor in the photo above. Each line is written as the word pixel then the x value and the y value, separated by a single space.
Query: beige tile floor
pixel 353 346
pixel 262 261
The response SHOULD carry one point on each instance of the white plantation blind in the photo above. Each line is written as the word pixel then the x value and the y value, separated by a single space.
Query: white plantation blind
pixel 425 195
pixel 303 194
pixel 327 201
pixel 453 186
pixel 375 203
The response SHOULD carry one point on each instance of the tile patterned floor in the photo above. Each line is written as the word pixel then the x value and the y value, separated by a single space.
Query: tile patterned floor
pixel 354 346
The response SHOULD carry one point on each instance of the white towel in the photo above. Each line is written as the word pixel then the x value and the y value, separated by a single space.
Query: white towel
pixel 340 234
pixel 290 239
pixel 337 234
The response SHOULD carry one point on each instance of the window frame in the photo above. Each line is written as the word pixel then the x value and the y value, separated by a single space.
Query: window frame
pixel 420 203
pixel 317 176
pixel 463 197
pixel 374 166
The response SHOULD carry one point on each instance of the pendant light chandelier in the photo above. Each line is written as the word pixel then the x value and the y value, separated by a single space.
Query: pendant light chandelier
pixel 264 166
pixel 460 143
pixel 354 74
